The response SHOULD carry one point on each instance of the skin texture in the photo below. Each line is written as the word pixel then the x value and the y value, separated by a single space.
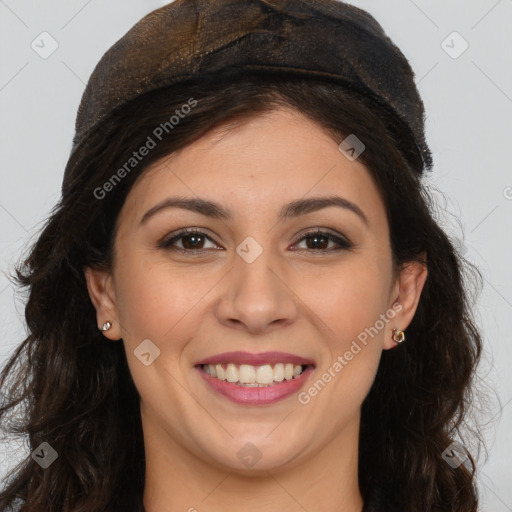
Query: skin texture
pixel 292 298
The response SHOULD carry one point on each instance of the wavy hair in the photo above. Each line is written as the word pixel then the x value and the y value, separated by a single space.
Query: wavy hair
pixel 76 391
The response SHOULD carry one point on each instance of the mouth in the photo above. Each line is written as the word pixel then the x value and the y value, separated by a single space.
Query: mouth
pixel 255 379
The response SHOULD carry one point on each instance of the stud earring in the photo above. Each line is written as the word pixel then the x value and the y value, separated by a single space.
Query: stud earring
pixel 398 335
pixel 106 326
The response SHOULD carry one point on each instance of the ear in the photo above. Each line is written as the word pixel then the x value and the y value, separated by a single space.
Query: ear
pixel 101 292
pixel 406 294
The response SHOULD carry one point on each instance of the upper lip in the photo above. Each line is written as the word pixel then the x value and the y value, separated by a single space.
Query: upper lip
pixel 260 359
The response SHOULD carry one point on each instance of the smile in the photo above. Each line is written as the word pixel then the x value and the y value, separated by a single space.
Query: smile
pixel 255 379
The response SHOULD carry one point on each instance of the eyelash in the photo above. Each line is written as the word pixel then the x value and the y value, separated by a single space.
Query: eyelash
pixel 343 243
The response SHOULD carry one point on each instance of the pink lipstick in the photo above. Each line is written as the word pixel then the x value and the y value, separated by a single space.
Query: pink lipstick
pixel 255 379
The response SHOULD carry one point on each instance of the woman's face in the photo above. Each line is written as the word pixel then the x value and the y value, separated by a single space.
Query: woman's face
pixel 254 291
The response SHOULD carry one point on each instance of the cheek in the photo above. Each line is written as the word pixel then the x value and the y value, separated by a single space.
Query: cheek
pixel 348 299
pixel 357 307
pixel 153 299
pixel 350 303
pixel 162 305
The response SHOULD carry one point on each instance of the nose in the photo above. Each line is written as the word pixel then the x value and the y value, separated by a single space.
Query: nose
pixel 257 297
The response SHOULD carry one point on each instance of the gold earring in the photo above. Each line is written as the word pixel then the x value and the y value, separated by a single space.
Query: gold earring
pixel 398 336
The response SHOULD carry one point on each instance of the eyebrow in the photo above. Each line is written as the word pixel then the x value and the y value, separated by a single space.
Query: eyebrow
pixel 290 210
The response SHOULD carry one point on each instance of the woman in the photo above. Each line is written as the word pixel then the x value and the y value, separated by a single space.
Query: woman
pixel 242 297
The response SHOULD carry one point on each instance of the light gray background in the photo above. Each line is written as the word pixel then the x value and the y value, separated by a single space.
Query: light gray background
pixel 468 101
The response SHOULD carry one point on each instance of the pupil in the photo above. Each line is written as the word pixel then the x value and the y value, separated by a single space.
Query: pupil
pixel 316 238
pixel 195 240
pixel 192 241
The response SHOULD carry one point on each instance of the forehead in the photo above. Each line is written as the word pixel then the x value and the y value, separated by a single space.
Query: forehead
pixel 258 164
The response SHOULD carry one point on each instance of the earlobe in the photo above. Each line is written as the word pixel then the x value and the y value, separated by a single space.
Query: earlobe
pixel 411 280
pixel 101 292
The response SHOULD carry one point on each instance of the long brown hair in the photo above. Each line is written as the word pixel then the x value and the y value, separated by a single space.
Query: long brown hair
pixel 76 390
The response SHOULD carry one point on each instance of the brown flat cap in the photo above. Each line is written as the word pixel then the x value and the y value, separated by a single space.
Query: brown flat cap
pixel 188 38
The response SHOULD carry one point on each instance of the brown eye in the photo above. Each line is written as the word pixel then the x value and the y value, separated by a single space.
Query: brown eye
pixel 191 240
pixel 319 241
pixel 194 241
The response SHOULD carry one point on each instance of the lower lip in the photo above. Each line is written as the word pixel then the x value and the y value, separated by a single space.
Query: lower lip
pixel 257 396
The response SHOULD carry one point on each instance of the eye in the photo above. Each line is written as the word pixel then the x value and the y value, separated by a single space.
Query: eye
pixel 191 240
pixel 319 241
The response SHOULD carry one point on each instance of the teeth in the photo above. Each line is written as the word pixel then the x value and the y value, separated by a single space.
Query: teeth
pixel 246 374
pixel 221 374
pixel 231 373
pixel 279 372
pixel 254 376
pixel 265 374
